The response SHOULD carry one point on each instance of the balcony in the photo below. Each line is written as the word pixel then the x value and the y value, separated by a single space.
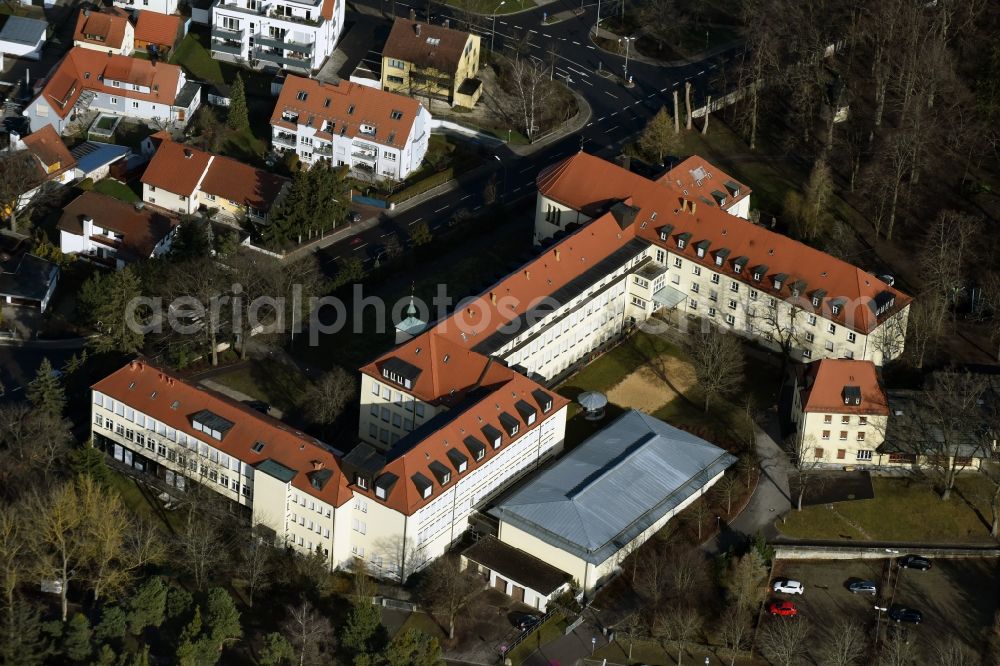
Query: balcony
pixel 366 156
pixel 233 7
pixel 218 32
pixel 325 151
pixel 293 19
pixel 300 64
pixel 267 40
pixel 232 49
pixel 286 140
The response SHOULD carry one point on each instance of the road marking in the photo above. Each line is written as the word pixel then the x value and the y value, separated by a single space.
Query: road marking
pixel 335 258
pixel 465 197
pixel 476 208
pixel 415 221
pixel 601 119
pixel 662 91
pixel 503 22
pixel 587 82
pixel 524 170
pixel 591 47
pixel 518 189
pixel 576 43
pixel 443 208
pixel 545 34
pixel 388 234
pixel 361 246
pixel 613 114
pixel 675 84
pixel 611 94
pixel 588 124
pixel 700 73
pixel 712 66
pixel 576 71
pixel 612 129
pixel 534 32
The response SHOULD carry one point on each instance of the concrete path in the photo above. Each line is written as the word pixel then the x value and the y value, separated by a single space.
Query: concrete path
pixel 568 650
pixel 238 396
pixel 770 500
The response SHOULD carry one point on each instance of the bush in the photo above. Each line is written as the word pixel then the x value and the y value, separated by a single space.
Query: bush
pixel 422 186
pixel 86 185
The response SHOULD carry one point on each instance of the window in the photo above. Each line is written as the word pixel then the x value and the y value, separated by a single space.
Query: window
pixel 713 296
pixel 362 482
pixel 843 435
pixel 732 304
pixel 715 278
pixel 841 454
pixel 811 319
pixel 694 288
pixel 359 526
pixel 696 270
pixel 661 256
pixel 861 437
pixel 826 434
pixel 135 105
pixel 395 64
pixel 114 100
pixel 810 337
pixel 806 353
pixel 372 430
pixel 862 420
pixel 734 286
pixel 845 420
pixel 678 262
pixel 832 328
pixel 829 346
pixel 730 319
pixel 638 302
pixel 851 337
pixel 694 304
pixel 753 294
pixel 711 312
pixel 818 453
pixel 864 454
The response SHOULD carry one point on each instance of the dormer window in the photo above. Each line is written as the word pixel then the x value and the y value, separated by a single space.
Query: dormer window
pixel 701 247
pixel 440 472
pixel 493 435
pixel 361 482
pixel 475 447
pixel 510 424
pixel 718 260
pixel 779 280
pixel 852 395
pixel 396 115
pixel 665 231
pixel 384 484
pixel 682 240
pixel 458 460
pixel 422 484
pixel 835 308
pixel 302 96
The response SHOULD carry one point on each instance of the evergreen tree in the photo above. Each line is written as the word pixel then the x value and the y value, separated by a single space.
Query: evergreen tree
pixel 112 625
pixel 148 606
pixel 276 650
pixel 315 202
pixel 45 392
pixel 21 639
pixel 225 243
pixel 413 648
pixel 104 301
pixel 238 119
pixel 76 639
pixel 89 461
pixel 222 620
pixel 190 240
pixel 361 632
pixel 179 602
pixel 106 656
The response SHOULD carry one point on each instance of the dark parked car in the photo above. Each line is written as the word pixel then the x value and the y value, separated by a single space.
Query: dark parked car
pixel 915 562
pixel 524 621
pixel 354 216
pixel 258 405
pixel 863 587
pixel 903 614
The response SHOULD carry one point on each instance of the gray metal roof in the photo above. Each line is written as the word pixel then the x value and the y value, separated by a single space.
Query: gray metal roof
pixel 23 30
pixel 613 486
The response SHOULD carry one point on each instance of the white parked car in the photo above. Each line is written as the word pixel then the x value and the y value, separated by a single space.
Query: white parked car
pixel 789 587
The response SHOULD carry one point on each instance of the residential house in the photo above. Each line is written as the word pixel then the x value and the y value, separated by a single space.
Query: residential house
pixel 41 160
pixel 841 411
pixel 432 61
pixel 158 6
pixel 605 498
pixel 85 80
pixel 95 158
pixel 106 29
pixel 291 35
pixel 397 512
pixel 27 281
pixel 187 180
pixel 114 233
pixel 374 132
pixel 158 33
pixel 23 37
pixel 710 263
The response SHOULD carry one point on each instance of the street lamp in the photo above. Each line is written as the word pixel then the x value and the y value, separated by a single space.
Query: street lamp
pixel 493 30
pixel 628 40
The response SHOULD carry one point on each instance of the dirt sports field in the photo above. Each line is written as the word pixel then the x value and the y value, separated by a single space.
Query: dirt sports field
pixel 652 386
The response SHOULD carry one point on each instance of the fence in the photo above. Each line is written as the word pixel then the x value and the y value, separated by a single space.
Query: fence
pixel 369 201
pixel 877 552
pixel 395 604
pixel 506 649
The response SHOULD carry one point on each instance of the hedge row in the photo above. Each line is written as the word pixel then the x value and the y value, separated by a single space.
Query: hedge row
pixel 422 186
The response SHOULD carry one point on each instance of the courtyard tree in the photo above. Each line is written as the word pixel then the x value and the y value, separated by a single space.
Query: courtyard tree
pixel 238 118
pixel 532 92
pixel 735 630
pixel 785 641
pixel 844 644
pixel 20 173
pixel 658 139
pixel 446 588
pixel 15 556
pixel 325 400
pixel 744 581
pixel 255 568
pixel 679 623
pixel 105 302
pixel 413 648
pixel 726 489
pixel 717 359
pixel 45 392
pixel 308 631
pixel 420 234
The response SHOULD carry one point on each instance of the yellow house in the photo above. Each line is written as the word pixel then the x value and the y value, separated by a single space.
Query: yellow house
pixel 432 61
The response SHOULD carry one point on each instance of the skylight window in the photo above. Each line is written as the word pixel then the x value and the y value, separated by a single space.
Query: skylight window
pixel 302 96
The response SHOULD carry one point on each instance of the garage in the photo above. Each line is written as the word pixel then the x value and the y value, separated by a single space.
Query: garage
pixel 517 593
pixel 501 585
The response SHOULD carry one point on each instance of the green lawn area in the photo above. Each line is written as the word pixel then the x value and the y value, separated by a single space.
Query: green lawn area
pixel 651 652
pixel 614 366
pixel 902 510
pixel 243 145
pixel 278 384
pixel 487 7
pixel 550 630
pixel 423 623
pixel 140 503
pixel 116 189
pixel 197 60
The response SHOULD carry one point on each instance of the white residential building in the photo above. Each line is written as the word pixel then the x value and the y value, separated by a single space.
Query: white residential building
pixel 292 35
pixel 374 132
pixel 159 6
pixel 87 80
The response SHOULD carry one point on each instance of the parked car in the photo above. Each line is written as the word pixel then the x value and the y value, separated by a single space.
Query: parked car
pixel 524 621
pixel 782 608
pixel 258 405
pixel 903 614
pixel 786 586
pixel 915 562
pixel 354 216
pixel 863 587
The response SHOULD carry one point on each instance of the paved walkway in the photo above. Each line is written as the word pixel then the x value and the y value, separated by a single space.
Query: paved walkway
pixel 770 500
pixel 568 650
pixel 238 396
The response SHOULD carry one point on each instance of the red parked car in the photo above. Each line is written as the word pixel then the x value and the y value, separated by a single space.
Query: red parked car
pixel 783 608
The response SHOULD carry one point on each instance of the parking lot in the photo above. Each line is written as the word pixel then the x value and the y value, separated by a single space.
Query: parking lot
pixel 958 598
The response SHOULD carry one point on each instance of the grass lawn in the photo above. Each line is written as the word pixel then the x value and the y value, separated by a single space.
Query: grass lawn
pixel 140 503
pixel 275 383
pixel 243 145
pixel 550 630
pixel 651 652
pixel 116 189
pixel 423 623
pixel 902 510
pixel 487 7
pixel 197 60
pixel 611 368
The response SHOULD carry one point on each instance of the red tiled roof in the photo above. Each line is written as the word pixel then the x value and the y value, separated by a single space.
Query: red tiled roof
pixel 104 27
pixel 590 184
pixel 155 392
pixel 181 169
pixel 84 69
pixel 824 387
pixel 326 11
pixel 142 228
pixel 433 46
pixel 346 106
pixel 157 28
pixel 48 148
pixel 176 168
pixel 705 182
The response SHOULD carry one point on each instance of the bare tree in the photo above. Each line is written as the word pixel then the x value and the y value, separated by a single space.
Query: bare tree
pixel 735 631
pixel 399 557
pixel 678 623
pixel 784 640
pixel 718 362
pixel 308 631
pixel 897 650
pixel 325 399
pixel 532 92
pixel 951 651
pixel 745 580
pixel 199 548
pixel 725 489
pixel 20 173
pixel 843 645
pixel 698 512
pixel 652 571
pixel 991 302
pixel 255 567
pixel 688 572
pixel 446 588
pixel 15 561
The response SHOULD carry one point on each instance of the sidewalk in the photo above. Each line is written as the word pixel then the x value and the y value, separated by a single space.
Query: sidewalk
pixel 570 649
pixel 638 57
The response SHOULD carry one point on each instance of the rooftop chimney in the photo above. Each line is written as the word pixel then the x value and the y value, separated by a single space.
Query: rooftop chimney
pixel 556 251
pixel 317 465
pixel 694 206
pixel 447 23
pixel 188 154
pixel 416 28
pixel 493 298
